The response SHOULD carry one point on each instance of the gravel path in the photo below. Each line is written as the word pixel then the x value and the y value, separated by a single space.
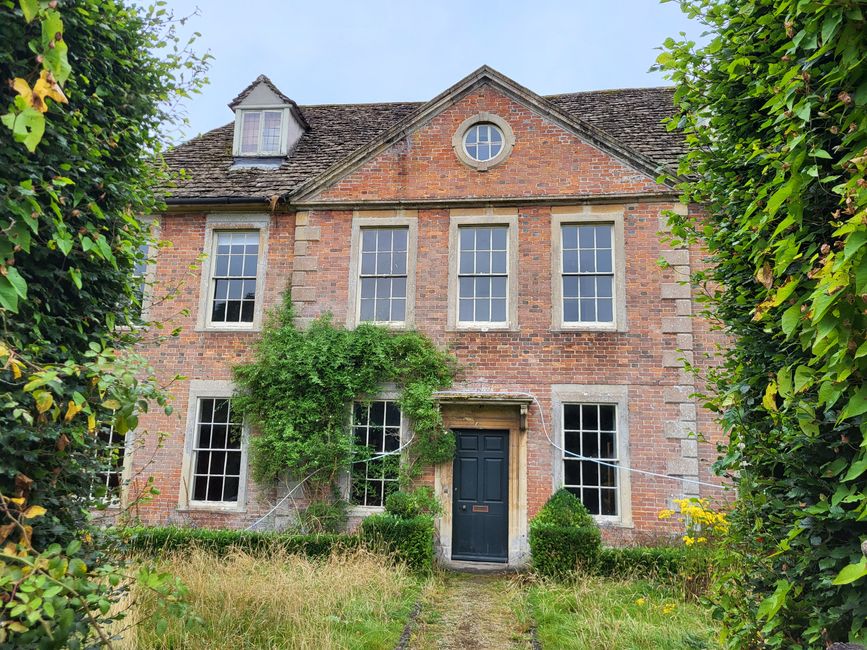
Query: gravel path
pixel 467 611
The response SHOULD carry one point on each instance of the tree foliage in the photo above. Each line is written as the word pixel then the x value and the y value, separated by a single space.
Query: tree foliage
pixel 298 390
pixel 774 107
pixel 70 236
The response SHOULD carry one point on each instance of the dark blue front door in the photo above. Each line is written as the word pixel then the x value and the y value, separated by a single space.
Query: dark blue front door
pixel 480 518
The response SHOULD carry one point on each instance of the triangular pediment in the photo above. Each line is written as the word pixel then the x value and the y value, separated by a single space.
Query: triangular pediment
pixel 485 79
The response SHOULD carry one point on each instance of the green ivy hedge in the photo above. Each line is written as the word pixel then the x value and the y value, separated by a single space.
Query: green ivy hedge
pixel 408 540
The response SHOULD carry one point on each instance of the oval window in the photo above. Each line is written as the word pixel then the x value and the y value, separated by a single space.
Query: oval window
pixel 483 142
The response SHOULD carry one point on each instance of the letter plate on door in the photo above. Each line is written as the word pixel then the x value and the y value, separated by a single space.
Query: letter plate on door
pixel 480 508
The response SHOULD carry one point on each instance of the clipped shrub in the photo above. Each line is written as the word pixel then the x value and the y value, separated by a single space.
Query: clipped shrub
pixel 410 541
pixel 564 509
pixel 152 540
pixel 407 505
pixel 564 537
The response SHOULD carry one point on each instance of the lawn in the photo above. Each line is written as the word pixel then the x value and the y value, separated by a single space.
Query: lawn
pixel 283 601
pixel 595 612
pixel 359 600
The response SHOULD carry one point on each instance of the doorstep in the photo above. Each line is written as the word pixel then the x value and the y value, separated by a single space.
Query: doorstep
pixel 463 566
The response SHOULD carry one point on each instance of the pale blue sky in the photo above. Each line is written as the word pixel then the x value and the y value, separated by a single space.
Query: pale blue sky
pixel 335 51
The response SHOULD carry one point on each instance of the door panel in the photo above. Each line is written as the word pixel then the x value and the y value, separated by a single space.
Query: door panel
pixel 480 518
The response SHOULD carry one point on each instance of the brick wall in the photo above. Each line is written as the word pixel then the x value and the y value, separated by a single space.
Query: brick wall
pixel 310 251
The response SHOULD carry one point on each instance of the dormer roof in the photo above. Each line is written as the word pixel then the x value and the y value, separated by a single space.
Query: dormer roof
pixel 281 99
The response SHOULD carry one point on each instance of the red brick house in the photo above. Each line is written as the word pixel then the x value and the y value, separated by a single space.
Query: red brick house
pixel 518 231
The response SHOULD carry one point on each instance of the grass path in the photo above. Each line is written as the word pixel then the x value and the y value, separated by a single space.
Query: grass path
pixel 463 611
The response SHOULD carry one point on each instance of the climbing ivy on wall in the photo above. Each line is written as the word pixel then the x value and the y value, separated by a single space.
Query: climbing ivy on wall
pixel 297 391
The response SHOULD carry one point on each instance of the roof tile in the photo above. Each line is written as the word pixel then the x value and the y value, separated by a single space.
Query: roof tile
pixel 632 116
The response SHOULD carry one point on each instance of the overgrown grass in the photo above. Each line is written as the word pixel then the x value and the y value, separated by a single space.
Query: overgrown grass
pixel 278 600
pixel 593 612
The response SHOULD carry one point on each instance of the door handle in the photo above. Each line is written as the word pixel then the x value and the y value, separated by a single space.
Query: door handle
pixel 463 507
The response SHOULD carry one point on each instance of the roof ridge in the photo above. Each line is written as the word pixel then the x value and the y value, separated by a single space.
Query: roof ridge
pixel 362 104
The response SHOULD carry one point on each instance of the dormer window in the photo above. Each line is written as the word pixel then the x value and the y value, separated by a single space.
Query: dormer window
pixel 261 133
pixel 267 124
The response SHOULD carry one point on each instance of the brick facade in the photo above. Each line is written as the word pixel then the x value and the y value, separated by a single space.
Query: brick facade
pixel 555 171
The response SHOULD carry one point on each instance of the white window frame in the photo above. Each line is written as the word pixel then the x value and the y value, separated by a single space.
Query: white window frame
pixel 209 389
pixel 362 220
pixel 596 216
pixel 615 394
pixel 240 114
pixel 225 223
pixel 124 473
pixel 152 226
pixel 508 218
pixel 390 394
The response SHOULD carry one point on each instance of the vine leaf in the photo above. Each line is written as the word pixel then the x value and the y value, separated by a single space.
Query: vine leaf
pixel 30 9
pixel 851 573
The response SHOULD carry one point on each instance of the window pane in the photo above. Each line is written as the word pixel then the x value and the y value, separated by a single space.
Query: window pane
pixel 250 132
pixel 498 311
pixel 235 268
pixel 603 236
pixel 586 238
pixel 572 417
pixel 594 483
pixel 376 428
pixel 212 462
pixel 271 132
pixel 606 417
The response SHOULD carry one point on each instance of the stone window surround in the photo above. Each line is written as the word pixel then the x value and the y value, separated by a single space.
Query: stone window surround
pixel 224 222
pixel 204 389
pixel 126 474
pixel 617 394
pixel 152 225
pixel 285 117
pixel 484 217
pixel 382 219
pixel 388 393
pixel 565 215
pixel 483 165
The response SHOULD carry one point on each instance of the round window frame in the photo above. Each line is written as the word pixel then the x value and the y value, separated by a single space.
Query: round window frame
pixel 483 118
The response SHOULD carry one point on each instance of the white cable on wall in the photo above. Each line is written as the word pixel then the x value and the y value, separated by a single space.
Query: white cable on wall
pixel 566 452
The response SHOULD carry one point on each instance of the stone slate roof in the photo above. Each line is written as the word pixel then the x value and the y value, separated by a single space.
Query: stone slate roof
pixel 632 116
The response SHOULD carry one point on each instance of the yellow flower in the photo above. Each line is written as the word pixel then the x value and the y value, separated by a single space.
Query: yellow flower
pixel 640 601
pixel 689 541
pixel 701 540
pixel 668 608
pixel 666 514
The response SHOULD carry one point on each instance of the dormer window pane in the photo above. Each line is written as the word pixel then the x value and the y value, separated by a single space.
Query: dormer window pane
pixel 250 133
pixel 271 133
pixel 261 133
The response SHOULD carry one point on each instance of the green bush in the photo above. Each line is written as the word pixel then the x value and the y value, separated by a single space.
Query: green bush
pixel 564 537
pixel 408 540
pixel 407 505
pixel 159 539
pixel 558 551
pixel 564 509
